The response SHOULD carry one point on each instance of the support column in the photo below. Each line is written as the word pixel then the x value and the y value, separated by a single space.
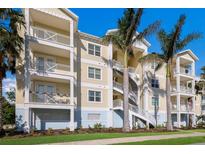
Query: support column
pixel 147 125
pixel 110 85
pixel 193 68
pixel 27 57
pixel 178 65
pixel 72 119
pixel 27 120
pixel 72 46
pixel 178 111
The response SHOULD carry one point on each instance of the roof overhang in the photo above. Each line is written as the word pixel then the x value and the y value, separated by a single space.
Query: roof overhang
pixel 188 51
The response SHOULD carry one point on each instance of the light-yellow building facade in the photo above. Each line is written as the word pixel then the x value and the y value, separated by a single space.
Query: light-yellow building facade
pixel 70 79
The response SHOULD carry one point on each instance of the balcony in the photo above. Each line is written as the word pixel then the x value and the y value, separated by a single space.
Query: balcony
pixel 49 99
pixel 131 70
pixel 184 71
pixel 183 108
pixel 183 89
pixel 49 36
pixel 119 87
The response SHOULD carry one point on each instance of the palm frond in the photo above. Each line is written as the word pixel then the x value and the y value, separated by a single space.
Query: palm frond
pixel 115 38
pixel 134 26
pixel 149 30
pixel 190 37
pixel 175 36
pixel 151 58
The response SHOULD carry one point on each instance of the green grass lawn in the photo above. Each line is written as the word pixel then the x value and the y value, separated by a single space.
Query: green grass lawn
pixel 76 137
pixel 177 141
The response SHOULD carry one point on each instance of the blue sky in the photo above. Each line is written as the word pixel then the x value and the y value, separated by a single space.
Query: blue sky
pixel 97 21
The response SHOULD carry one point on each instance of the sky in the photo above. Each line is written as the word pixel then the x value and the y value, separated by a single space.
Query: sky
pixel 98 21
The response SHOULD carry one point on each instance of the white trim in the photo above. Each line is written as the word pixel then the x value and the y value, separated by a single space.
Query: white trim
pixel 94 44
pixel 89 66
pixel 94 62
pixel 94 102
pixel 93 109
pixel 93 85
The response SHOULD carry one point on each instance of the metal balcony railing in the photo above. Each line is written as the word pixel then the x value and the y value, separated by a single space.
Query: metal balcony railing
pixel 183 89
pixel 51 36
pixel 46 98
pixel 47 67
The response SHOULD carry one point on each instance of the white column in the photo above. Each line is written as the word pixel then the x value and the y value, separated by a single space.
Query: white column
pixel 72 118
pixel 72 91
pixel 193 68
pixel 178 111
pixel 27 120
pixel 178 83
pixel 145 88
pixel 178 65
pixel 27 21
pixel 110 85
pixel 72 46
pixel 27 58
pixel 147 125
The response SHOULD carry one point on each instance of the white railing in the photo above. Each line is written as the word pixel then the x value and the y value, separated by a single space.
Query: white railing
pixel 118 65
pixel 186 108
pixel 46 98
pixel 131 70
pixel 50 36
pixel 56 67
pixel 184 71
pixel 118 85
pixel 131 93
pixel 118 103
pixel 183 89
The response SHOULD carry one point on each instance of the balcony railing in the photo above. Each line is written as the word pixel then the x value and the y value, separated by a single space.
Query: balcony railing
pixel 131 70
pixel 183 89
pixel 47 67
pixel 46 98
pixel 184 71
pixel 50 36
pixel 183 108
pixel 132 94
pixel 118 103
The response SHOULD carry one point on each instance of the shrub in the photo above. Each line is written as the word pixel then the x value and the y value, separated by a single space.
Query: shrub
pixel 50 131
pixel 98 126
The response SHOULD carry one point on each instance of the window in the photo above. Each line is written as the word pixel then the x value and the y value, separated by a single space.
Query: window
pixel 93 116
pixel 155 100
pixel 203 98
pixel 155 83
pixel 94 73
pixel 94 50
pixel 153 65
pixel 94 96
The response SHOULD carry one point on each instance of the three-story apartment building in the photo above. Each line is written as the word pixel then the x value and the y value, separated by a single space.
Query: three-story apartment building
pixel 70 79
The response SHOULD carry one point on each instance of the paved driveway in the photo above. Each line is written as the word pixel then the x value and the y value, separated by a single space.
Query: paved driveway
pixel 130 139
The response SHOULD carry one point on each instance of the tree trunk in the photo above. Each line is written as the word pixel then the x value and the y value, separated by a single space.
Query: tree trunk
pixel 126 126
pixel 168 98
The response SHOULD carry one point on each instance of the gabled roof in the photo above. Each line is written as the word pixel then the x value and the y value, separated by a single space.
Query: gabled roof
pixel 188 51
pixel 70 13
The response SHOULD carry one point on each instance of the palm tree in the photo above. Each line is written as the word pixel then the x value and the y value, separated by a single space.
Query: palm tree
pixel 124 38
pixel 171 43
pixel 11 20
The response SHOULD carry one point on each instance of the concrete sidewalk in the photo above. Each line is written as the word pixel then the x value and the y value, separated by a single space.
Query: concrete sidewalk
pixel 130 139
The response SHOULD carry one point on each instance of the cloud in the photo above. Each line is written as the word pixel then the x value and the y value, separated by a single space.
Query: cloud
pixel 8 84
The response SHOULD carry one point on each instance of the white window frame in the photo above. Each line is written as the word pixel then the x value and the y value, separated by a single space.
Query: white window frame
pixel 155 83
pixel 94 49
pixel 94 72
pixel 101 99
pixel 156 96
